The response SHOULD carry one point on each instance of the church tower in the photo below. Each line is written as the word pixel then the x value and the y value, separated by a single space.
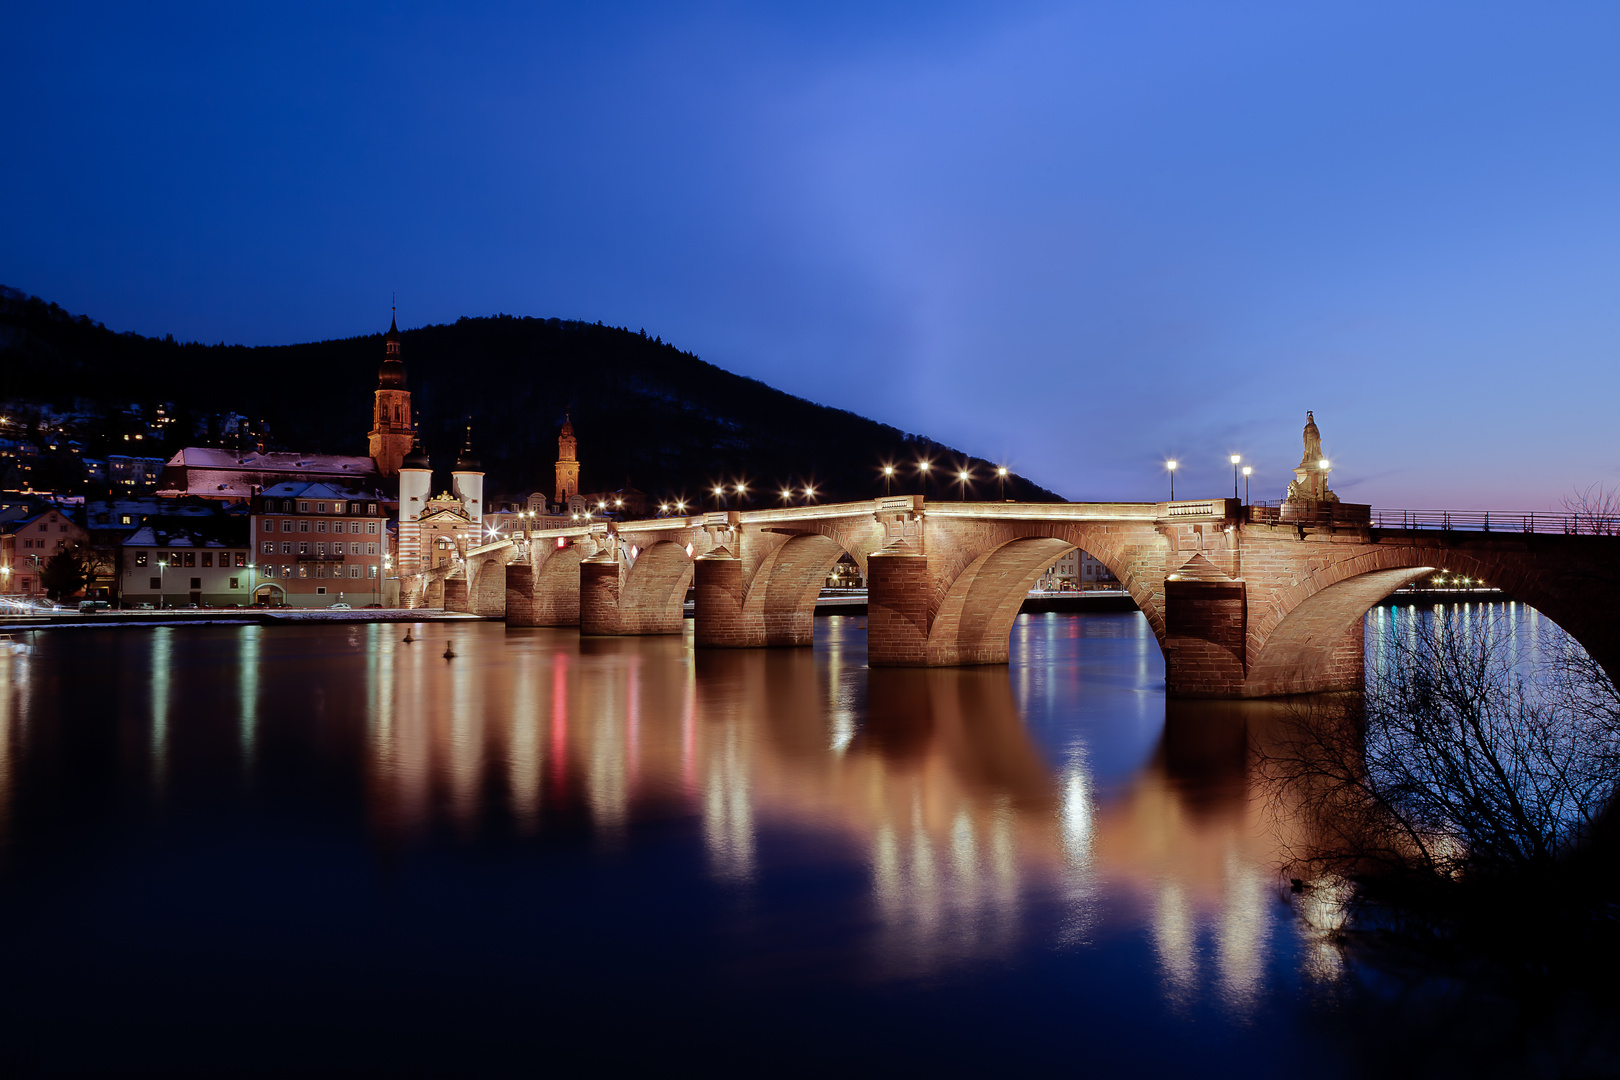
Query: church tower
pixel 567 466
pixel 391 435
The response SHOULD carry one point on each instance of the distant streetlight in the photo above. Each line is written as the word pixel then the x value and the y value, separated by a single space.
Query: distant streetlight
pixel 1001 483
pixel 1235 459
pixel 922 475
pixel 1171 465
pixel 161 567
pixel 787 495
pixel 719 496
pixel 1246 471
pixel 742 491
pixel 809 493
pixel 963 475
pixel 888 478
pixel 680 504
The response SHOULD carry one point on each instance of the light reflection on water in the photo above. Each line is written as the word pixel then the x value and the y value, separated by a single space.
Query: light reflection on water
pixel 1054 832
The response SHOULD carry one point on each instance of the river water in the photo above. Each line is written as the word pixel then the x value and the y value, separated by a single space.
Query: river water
pixel 323 849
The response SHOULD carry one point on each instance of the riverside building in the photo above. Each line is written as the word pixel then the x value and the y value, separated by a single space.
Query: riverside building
pixel 317 545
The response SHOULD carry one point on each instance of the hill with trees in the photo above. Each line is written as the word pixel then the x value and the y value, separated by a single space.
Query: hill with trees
pixel 647 414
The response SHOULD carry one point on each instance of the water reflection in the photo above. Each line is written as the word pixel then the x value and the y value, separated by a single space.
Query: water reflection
pixel 822 822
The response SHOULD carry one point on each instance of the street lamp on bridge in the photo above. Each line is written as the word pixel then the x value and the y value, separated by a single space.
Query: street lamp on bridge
pixel 1235 459
pixel 1246 471
pixel 963 475
pixel 923 465
pixel 1001 483
pixel 1171 465
pixel 888 477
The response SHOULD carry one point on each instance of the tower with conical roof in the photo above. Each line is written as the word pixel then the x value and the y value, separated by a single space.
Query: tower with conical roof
pixel 391 435
pixel 415 487
pixel 567 466
pixel 467 480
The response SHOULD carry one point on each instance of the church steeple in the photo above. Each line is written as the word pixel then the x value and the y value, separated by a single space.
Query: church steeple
pixel 567 465
pixel 391 437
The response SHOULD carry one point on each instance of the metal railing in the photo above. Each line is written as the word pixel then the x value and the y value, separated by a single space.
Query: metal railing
pixel 1507 521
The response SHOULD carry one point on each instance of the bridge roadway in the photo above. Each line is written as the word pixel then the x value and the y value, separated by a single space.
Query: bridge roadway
pixel 1244 601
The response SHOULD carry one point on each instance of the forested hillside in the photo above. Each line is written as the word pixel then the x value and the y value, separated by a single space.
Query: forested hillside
pixel 646 413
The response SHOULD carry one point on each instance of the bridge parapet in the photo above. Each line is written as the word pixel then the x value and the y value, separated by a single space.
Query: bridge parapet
pixel 1185 510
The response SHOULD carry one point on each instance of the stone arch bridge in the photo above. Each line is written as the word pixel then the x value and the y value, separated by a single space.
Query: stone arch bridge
pixel 1244 601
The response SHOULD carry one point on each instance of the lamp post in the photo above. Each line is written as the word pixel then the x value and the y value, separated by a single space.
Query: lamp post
pixel 888 478
pixel 1246 471
pixel 1001 483
pixel 1235 459
pixel 809 494
pixel 963 475
pixel 922 475
pixel 719 496
pixel 1171 465
pixel 787 496
pixel 742 490
pixel 162 565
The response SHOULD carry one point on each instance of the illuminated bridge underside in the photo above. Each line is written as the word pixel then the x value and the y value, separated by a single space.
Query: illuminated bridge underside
pixel 1240 609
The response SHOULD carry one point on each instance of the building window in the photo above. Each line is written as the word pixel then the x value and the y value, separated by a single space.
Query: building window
pixel 191 558
pixel 286 526
pixel 303 571
pixel 320 569
pixel 176 559
pixel 371 549
pixel 125 519
pixel 286 547
pixel 371 508
pixel 303 526
pixel 196 583
pixel 371 526
pixel 354 526
pixel 154 583
pixel 320 526
pixel 241 559
pixel 354 549
pixel 354 571
pixel 268 547
pixel 320 590
pixel 208 558
pixel 303 507
pixel 303 547
pixel 233 583
pixel 140 558
pixel 320 508
pixel 337 508
pixel 286 506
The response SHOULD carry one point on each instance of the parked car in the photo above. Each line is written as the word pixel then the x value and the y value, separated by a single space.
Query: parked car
pixel 341 607
pixel 143 607
pixel 87 606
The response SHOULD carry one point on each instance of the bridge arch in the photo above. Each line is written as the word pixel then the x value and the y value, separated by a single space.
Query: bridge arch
pixel 1310 637
pixel 979 578
pixel 779 607
pixel 974 621
pixel 654 589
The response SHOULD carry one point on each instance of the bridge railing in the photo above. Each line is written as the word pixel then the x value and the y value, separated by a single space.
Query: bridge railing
pixel 1315 514
pixel 1508 521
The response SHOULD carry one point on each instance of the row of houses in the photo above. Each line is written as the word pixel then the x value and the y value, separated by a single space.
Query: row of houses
pixel 295 544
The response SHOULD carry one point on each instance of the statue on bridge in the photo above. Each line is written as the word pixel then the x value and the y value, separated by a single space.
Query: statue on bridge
pixel 1310 475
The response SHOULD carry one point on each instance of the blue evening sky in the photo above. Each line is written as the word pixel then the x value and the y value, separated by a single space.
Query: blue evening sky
pixel 1081 238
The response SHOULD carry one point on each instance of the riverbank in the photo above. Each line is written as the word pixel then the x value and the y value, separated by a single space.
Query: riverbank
pixel 229 617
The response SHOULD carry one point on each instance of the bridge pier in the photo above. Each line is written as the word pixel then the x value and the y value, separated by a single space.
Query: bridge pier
pixel 719 621
pixel 897 591
pixel 455 594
